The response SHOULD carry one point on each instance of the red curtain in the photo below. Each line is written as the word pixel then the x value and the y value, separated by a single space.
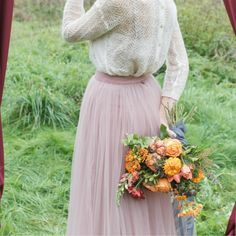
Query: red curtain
pixel 6 10
pixel 231 228
pixel 230 6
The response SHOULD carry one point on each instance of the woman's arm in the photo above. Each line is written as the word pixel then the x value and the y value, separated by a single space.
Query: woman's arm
pixel 166 105
pixel 78 25
pixel 177 66
pixel 175 76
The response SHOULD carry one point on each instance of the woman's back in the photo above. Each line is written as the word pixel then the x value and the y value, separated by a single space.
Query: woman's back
pixel 131 37
pixel 139 43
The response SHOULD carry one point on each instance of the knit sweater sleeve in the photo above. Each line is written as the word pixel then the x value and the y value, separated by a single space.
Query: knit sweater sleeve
pixel 177 64
pixel 78 25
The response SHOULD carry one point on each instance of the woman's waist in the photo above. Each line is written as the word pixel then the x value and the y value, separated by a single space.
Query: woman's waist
pixel 121 79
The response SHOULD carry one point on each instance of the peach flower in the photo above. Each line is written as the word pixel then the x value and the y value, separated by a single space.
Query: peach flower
pixel 151 161
pixel 162 186
pixel 173 147
pixel 160 148
pixel 186 172
pixel 174 177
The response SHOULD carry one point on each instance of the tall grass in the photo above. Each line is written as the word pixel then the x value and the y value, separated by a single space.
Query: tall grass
pixel 38 107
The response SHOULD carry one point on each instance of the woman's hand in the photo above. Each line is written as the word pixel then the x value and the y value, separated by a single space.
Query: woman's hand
pixel 167 103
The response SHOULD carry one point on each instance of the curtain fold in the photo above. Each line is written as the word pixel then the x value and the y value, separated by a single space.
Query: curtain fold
pixel 6 12
pixel 230 6
pixel 231 228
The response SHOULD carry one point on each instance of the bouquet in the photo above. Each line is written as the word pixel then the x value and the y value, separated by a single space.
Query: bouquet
pixel 164 164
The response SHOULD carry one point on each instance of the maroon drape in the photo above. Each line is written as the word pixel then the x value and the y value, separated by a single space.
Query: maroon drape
pixel 231 228
pixel 6 10
pixel 230 6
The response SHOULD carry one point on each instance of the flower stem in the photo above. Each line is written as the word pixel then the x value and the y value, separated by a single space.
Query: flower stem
pixel 183 160
pixel 139 182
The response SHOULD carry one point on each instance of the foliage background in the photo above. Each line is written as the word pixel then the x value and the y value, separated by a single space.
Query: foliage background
pixel 46 79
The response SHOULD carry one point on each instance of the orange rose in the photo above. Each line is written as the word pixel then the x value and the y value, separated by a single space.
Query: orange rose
pixel 162 185
pixel 173 147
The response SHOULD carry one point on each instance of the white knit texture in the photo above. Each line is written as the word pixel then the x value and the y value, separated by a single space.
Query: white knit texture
pixel 131 37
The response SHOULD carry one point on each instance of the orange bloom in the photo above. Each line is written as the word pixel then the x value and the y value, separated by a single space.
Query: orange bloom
pixel 179 207
pixel 172 166
pixel 192 211
pixel 162 185
pixel 129 156
pixel 143 152
pixel 173 147
pixel 199 177
pixel 132 166
pixel 181 198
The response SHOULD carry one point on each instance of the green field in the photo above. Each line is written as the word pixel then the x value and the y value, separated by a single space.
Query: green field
pixel 45 81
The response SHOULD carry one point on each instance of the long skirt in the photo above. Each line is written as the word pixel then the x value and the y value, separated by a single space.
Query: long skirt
pixel 113 106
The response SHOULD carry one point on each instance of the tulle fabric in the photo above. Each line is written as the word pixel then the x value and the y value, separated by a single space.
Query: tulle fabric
pixel 111 107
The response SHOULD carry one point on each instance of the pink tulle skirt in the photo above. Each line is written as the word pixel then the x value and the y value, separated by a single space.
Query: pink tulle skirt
pixel 111 107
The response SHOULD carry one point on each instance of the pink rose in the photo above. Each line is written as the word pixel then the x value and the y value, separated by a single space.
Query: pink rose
pixel 186 172
pixel 160 148
pixel 124 177
pixel 152 146
pixel 133 178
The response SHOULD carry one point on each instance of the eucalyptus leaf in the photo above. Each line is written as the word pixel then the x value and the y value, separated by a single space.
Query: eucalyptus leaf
pixel 163 131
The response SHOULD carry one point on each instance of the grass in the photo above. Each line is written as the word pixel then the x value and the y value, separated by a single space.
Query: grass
pixel 36 194
pixel 45 82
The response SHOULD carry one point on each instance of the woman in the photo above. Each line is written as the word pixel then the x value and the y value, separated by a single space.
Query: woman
pixel 129 41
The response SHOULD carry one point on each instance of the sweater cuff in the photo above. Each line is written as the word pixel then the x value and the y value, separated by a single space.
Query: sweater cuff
pixel 171 93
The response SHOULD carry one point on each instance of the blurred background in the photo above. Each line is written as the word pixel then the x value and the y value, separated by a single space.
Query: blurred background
pixel 45 82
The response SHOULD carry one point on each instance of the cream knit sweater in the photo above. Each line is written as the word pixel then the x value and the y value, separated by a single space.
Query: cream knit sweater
pixel 131 37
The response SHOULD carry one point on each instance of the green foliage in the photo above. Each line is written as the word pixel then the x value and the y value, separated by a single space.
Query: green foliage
pixel 133 140
pixel 46 11
pixel 207 29
pixel 163 132
pixel 43 10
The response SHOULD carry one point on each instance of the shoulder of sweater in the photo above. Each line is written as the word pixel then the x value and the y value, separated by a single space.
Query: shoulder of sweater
pixel 113 5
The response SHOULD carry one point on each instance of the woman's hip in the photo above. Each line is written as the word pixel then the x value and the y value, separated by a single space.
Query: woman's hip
pixel 130 101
